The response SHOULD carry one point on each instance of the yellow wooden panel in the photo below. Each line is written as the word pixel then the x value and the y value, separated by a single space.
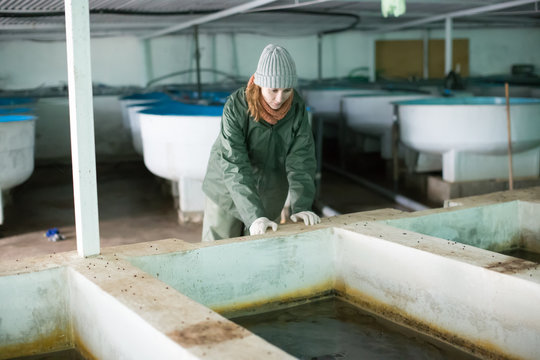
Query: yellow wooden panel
pixel 460 55
pixel 398 58
pixel 403 59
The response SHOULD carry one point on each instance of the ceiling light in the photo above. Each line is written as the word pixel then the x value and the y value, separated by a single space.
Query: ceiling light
pixel 392 7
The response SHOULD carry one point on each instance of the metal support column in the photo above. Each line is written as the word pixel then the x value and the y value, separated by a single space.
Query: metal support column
pixel 148 64
pixel 447 45
pixel 319 56
pixel 198 61
pixel 425 59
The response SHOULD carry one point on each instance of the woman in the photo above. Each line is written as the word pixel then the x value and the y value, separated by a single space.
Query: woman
pixel 265 150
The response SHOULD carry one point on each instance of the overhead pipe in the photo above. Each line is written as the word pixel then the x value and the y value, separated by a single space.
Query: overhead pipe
pixel 397 198
pixel 208 18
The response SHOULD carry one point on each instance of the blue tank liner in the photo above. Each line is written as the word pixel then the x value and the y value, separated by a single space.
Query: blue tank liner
pixel 156 95
pixel 179 108
pixel 8 101
pixel 212 96
pixel 476 100
pixel 153 102
pixel 380 93
pixel 10 118
pixel 17 110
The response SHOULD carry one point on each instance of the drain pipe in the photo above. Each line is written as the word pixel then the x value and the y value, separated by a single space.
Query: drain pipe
pixel 325 210
pixel 399 199
pixel 197 61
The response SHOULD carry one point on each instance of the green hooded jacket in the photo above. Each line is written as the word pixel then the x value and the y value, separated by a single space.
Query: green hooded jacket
pixel 253 164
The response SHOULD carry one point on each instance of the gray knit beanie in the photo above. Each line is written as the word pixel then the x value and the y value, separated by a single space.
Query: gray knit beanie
pixel 276 68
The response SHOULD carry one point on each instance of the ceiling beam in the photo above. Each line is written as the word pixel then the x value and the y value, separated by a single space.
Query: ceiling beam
pixel 208 18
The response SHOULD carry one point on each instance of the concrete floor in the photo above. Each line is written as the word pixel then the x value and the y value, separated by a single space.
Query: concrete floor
pixel 133 207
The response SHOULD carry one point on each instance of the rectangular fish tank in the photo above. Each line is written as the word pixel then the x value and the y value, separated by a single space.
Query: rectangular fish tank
pixel 401 297
pixel 59 313
pixel 357 284
pixel 511 228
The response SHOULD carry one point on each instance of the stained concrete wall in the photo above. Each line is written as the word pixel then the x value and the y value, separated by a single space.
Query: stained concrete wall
pixel 121 60
pixel 34 312
pixel 240 275
pixel 494 227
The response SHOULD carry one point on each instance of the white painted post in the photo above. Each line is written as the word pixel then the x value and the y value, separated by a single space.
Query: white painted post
pixel 82 126
pixel 447 45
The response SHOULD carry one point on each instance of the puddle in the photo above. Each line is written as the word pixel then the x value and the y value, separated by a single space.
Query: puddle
pixel 334 329
pixel 69 354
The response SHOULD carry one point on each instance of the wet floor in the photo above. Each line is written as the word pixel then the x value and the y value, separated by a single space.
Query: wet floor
pixel 134 206
pixel 333 329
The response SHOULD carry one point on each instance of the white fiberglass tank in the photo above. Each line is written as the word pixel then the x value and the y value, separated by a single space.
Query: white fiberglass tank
pixel 373 114
pixel 133 110
pixel 471 135
pixel 142 98
pixel 17 139
pixel 325 102
pixel 177 139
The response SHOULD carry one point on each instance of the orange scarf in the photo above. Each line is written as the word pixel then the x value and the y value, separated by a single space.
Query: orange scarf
pixel 270 115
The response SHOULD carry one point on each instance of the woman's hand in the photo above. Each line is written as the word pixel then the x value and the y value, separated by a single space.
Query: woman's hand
pixel 309 217
pixel 259 226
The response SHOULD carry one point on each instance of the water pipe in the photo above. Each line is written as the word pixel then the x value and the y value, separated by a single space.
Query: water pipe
pixel 398 198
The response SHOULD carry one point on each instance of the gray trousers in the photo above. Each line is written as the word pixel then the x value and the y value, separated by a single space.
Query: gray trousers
pixel 219 224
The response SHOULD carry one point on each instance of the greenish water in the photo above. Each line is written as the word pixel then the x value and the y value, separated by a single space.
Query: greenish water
pixel 69 354
pixel 523 254
pixel 333 329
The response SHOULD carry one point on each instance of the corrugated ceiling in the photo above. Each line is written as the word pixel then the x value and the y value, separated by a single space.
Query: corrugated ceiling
pixel 44 19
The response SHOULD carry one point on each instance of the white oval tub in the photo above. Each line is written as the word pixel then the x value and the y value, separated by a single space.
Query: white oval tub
pixel 373 114
pixel 126 101
pixel 134 123
pixel 177 139
pixel 131 108
pixel 471 135
pixel 325 102
pixel 17 138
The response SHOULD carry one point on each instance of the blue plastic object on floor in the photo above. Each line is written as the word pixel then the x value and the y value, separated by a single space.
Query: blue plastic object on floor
pixel 53 234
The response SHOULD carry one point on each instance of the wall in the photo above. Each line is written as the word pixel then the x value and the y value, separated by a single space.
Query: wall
pixel 30 64
pixel 120 61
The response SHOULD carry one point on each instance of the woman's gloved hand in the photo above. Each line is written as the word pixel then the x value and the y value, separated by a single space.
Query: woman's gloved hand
pixel 259 226
pixel 309 217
